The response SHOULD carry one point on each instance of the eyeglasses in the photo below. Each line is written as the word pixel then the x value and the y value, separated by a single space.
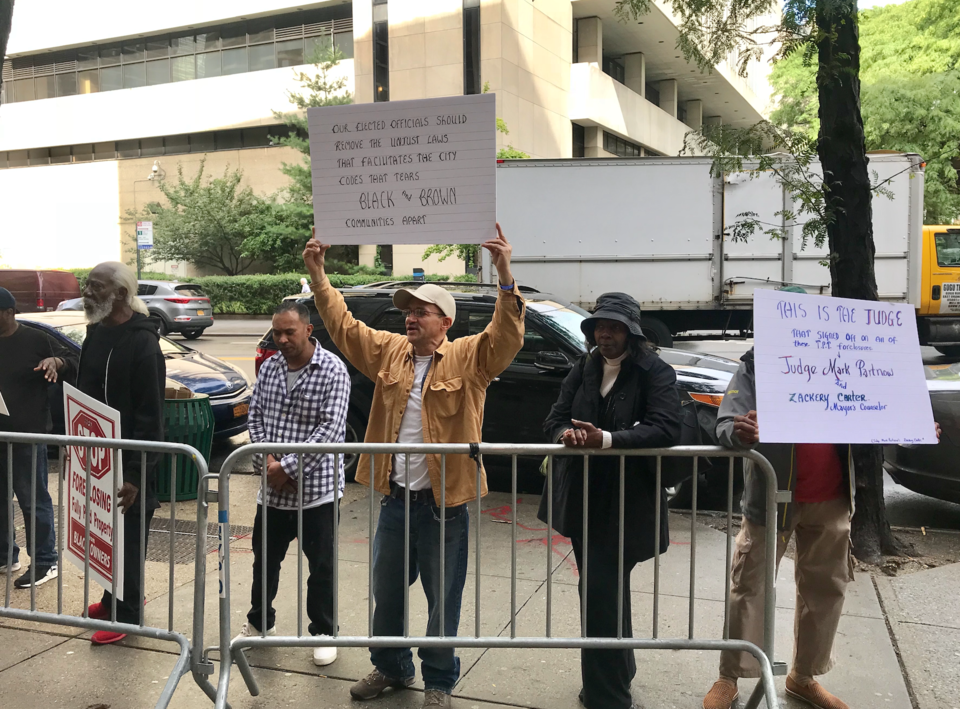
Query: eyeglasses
pixel 420 313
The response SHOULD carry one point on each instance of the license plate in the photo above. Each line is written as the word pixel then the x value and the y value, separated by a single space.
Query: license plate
pixel 240 410
pixel 199 312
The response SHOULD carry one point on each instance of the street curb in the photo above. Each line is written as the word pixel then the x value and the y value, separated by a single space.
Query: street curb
pixel 232 334
pixel 892 614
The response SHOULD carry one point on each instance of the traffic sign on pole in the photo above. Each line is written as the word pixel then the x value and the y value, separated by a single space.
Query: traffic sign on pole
pixel 144 235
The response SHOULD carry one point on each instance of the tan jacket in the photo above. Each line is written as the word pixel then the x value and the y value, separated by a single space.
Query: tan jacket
pixel 453 394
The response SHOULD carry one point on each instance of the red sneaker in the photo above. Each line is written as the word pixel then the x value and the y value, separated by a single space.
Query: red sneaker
pixel 98 611
pixel 104 637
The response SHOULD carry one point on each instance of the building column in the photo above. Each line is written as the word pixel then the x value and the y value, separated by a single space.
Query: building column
pixel 694 114
pixel 589 40
pixel 635 73
pixel 368 255
pixel 593 143
pixel 668 96
pixel 712 120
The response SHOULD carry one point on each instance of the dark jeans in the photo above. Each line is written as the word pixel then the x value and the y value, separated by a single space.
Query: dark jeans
pixel 317 547
pixel 128 610
pixel 46 550
pixel 440 667
pixel 606 674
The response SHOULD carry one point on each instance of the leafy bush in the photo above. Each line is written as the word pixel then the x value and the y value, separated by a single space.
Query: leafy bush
pixel 466 278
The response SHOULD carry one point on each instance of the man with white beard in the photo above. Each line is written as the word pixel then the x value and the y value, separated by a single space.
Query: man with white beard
pixel 122 366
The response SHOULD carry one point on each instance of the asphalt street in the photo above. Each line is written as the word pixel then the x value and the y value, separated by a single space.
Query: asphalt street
pixel 904 508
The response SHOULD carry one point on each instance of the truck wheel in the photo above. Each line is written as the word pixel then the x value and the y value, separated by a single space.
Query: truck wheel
pixel 658 334
pixel 949 350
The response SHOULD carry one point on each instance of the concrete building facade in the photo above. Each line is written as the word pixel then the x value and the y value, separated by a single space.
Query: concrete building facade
pixel 93 102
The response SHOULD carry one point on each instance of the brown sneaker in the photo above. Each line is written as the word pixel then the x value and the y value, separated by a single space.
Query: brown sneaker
pixel 722 694
pixel 814 694
pixel 434 698
pixel 374 683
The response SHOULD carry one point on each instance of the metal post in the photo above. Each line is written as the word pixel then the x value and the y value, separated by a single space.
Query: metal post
pixel 117 480
pixel 656 552
pixel 513 549
pixel 10 528
pixel 336 545
pixel 476 606
pixel 693 553
pixel 300 544
pixel 443 544
pixel 729 566
pixel 583 571
pixel 143 537
pixel 64 481
pixel 370 552
pixel 173 534
pixel 623 460
pixel 86 540
pixel 263 549
pixel 549 541
pixel 33 528
pixel 406 548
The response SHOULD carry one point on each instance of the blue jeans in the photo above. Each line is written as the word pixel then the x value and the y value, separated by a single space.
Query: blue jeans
pixel 440 667
pixel 46 550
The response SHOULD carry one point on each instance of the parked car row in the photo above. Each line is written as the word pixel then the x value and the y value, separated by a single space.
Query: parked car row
pixel 226 385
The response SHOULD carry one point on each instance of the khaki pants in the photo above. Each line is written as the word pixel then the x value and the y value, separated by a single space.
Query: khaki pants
pixel 824 566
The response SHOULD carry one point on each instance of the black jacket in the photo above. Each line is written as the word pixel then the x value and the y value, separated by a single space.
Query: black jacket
pixel 134 385
pixel 645 414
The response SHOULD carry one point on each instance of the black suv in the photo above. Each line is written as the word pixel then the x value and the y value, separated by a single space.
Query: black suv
pixel 519 399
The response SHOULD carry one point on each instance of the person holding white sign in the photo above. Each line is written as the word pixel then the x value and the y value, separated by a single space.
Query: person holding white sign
pixel 428 390
pixel 821 478
pixel 121 365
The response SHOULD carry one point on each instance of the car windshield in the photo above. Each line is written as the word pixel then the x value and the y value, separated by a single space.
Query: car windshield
pixel 78 333
pixel 563 320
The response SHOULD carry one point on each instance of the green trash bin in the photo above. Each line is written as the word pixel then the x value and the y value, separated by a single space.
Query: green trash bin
pixel 188 421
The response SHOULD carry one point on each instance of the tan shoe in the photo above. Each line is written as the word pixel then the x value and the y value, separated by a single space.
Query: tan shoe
pixel 375 683
pixel 722 694
pixel 814 694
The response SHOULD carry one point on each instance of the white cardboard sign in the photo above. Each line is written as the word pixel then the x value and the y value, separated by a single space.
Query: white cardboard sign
pixel 836 370
pixel 86 416
pixel 405 172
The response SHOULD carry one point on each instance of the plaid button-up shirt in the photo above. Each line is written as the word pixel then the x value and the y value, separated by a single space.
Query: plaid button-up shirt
pixel 315 411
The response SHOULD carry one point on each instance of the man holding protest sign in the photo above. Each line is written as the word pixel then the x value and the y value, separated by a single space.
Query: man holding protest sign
pixel 121 365
pixel 428 390
pixel 825 370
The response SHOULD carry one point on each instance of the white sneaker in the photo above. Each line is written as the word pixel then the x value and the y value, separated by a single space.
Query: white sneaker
pixel 324 655
pixel 248 631
pixel 15 567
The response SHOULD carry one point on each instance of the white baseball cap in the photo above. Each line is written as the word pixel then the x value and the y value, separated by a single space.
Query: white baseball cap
pixel 428 293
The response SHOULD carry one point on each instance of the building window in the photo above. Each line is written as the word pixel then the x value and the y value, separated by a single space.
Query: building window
pixel 620 147
pixel 579 140
pixel 471 47
pixel 381 52
pixel 652 95
pixel 210 141
pixel 614 69
pixel 279 41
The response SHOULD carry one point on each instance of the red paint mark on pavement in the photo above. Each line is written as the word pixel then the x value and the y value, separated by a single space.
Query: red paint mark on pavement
pixel 504 513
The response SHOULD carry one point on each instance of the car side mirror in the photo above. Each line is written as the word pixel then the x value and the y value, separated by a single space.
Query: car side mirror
pixel 552 361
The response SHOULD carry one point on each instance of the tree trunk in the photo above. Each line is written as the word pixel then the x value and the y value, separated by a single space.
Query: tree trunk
pixel 843 157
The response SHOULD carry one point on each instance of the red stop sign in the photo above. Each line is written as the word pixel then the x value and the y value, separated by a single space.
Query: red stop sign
pixel 83 424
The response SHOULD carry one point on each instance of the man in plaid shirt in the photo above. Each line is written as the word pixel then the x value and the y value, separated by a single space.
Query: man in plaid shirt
pixel 301 396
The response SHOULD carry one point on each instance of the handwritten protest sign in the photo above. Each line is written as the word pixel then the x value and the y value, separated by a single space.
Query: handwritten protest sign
pixel 405 172
pixel 87 417
pixel 834 370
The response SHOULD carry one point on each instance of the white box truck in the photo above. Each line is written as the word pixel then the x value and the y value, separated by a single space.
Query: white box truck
pixel 659 229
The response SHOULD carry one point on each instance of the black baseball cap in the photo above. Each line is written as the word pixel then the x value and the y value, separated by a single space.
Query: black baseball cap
pixel 7 301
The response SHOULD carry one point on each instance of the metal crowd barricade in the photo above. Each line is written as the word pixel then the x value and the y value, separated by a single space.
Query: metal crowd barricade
pixel 7 441
pixel 232 650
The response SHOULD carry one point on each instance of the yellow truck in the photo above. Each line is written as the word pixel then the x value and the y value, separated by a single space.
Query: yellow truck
pixel 938 316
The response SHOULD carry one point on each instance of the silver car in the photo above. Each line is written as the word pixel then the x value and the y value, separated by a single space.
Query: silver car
pixel 180 307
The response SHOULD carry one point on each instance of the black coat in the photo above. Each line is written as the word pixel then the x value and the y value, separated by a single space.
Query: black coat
pixel 135 378
pixel 645 414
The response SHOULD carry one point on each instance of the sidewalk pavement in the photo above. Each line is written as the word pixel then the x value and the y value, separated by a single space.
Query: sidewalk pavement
pixel 46 666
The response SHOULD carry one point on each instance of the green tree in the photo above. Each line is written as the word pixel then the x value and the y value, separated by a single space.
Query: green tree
pixel 282 241
pixel 910 74
pixel 206 222
pixel 470 253
pixel 827 32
